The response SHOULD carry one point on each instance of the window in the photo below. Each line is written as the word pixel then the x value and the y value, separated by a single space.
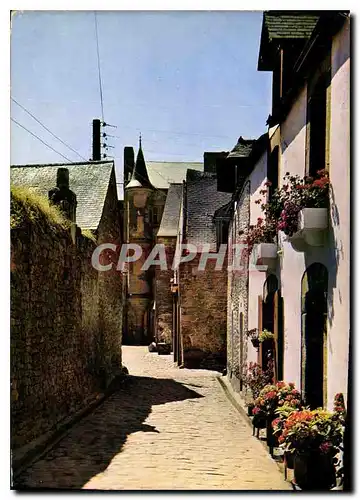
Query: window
pixel 155 214
pixel 222 232
pixel 273 171
pixel 133 217
pixel 317 123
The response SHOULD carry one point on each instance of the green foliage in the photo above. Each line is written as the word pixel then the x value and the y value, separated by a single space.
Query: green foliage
pixel 27 205
pixel 265 335
pixel 306 431
pixel 87 233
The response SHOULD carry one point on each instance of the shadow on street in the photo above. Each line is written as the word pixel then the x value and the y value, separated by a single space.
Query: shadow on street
pixel 91 445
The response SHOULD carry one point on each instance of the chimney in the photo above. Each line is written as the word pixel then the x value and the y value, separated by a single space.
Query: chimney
pixel 96 146
pixel 210 160
pixel 129 163
pixel 62 178
pixel 64 198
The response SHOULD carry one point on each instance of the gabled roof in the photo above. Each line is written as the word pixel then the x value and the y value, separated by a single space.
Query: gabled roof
pixel 242 148
pixel 171 214
pixel 164 173
pixel 202 201
pixel 89 181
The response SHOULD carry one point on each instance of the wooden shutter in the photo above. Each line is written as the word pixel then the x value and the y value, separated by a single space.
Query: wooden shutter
pixel 260 321
pixel 276 336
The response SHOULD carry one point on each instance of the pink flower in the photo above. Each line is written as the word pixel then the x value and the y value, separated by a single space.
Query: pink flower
pixel 325 447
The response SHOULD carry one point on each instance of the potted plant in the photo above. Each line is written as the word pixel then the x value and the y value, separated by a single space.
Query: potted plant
pixel 278 424
pixel 254 379
pixel 314 436
pixel 270 398
pixel 305 209
pixel 261 238
pixel 300 207
pixel 265 335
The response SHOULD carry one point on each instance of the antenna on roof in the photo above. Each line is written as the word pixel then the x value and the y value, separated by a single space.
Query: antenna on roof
pixel 108 125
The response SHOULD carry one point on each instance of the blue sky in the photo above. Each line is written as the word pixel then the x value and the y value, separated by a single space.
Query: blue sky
pixel 187 80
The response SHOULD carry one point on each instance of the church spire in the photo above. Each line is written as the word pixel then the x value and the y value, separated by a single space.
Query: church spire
pixel 139 176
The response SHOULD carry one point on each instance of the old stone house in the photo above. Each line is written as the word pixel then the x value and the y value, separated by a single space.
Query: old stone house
pixel 200 307
pixel 146 190
pixel 302 295
pixel 66 316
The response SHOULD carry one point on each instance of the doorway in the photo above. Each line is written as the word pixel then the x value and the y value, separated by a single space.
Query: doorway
pixel 314 287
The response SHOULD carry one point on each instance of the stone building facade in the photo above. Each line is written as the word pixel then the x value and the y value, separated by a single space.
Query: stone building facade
pixel 201 290
pixel 146 192
pixel 66 316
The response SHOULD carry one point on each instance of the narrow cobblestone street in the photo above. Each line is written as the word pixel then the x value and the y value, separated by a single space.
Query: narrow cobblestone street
pixel 166 429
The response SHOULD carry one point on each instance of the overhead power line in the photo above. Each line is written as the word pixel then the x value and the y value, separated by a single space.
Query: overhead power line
pixel 46 128
pixel 99 69
pixel 177 133
pixel 38 138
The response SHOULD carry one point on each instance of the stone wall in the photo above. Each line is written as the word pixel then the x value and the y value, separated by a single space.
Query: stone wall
pixel 163 295
pixel 237 300
pixel 203 313
pixel 65 344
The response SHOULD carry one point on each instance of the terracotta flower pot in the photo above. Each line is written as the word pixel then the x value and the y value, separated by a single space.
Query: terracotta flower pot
pixel 314 471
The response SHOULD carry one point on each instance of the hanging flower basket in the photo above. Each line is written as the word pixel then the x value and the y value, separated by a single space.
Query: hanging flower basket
pixel 255 342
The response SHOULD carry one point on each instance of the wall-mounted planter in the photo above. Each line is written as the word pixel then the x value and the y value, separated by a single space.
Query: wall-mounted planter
pixel 266 255
pixel 312 226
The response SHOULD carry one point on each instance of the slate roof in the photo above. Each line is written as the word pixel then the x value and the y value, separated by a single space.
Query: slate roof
pixel 289 24
pixel 203 200
pixel 89 181
pixel 284 25
pixel 171 214
pixel 139 176
pixel 164 173
pixel 242 148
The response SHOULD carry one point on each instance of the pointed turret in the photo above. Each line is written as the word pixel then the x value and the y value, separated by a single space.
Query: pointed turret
pixel 139 177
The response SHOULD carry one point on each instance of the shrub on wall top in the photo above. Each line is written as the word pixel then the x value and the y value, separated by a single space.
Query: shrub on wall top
pixel 27 205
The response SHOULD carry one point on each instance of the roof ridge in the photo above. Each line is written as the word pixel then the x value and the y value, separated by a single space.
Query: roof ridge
pixel 178 162
pixel 34 165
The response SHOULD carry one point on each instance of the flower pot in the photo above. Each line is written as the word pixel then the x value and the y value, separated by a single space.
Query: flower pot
pixel 266 256
pixel 289 459
pixel 259 421
pixel 250 408
pixel 314 471
pixel 255 342
pixel 312 226
pixel 271 439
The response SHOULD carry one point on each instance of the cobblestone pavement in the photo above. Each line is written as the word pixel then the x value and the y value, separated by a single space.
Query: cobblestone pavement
pixel 168 429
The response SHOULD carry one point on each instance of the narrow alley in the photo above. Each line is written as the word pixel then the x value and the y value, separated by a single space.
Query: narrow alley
pixel 167 429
